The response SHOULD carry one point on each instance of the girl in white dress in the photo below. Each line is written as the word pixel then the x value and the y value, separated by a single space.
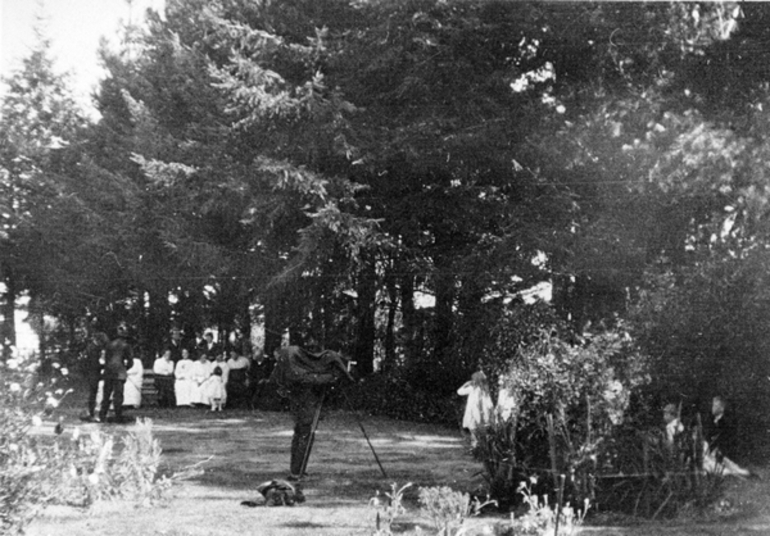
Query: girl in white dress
pixel 214 388
pixel 479 409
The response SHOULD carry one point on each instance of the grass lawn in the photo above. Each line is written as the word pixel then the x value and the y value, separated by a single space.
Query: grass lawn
pixel 241 449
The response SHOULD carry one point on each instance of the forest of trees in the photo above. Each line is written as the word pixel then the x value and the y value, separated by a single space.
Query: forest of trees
pixel 314 165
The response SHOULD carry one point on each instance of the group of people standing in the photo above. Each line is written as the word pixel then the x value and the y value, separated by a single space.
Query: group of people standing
pixel 107 366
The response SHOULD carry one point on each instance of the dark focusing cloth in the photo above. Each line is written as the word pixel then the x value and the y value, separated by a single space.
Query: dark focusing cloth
pixel 295 365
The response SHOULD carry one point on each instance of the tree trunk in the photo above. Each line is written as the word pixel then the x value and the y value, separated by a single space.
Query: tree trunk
pixel 273 324
pixel 444 321
pixel 8 331
pixel 367 294
pixel 390 331
pixel 409 315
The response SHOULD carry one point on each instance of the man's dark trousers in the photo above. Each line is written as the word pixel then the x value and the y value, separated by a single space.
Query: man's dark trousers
pixel 305 401
pixel 93 389
pixel 113 390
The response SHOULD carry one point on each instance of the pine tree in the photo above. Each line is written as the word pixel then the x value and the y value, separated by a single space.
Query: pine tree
pixel 39 116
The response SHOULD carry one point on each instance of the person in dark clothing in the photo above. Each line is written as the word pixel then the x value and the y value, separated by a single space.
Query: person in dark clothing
pixel 163 368
pixel 720 434
pixel 720 439
pixel 94 362
pixel 119 357
pixel 175 345
pixel 208 346
pixel 259 373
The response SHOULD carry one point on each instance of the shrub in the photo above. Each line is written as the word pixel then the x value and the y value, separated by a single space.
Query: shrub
pixel 569 399
pixel 643 475
pixel 93 471
pixel 388 506
pixel 446 508
pixel 540 517
pixel 25 462
pixel 68 468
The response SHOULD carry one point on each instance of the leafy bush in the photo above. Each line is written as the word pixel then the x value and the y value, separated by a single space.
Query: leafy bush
pixel 644 475
pixel 389 506
pixel 68 468
pixel 569 399
pixel 446 508
pixel 93 471
pixel 25 462
pixel 541 518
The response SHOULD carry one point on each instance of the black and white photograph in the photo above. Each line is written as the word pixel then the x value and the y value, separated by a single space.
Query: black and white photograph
pixel 384 268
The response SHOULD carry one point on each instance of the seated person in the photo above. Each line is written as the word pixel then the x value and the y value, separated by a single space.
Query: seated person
pixel 238 378
pixel 259 374
pixel 163 368
pixel 208 346
pixel 200 370
pixel 674 425
pixel 184 386
pixel 719 445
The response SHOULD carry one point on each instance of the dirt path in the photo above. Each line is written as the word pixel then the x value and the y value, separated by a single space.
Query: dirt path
pixel 243 449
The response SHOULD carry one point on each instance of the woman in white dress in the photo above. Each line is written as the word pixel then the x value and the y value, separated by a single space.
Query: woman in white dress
pixel 183 385
pixel 132 391
pixel 200 371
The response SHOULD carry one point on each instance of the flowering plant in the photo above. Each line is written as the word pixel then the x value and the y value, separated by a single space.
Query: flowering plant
pixel 68 467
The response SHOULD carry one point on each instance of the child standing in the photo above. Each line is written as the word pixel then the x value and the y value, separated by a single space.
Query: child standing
pixel 479 408
pixel 214 388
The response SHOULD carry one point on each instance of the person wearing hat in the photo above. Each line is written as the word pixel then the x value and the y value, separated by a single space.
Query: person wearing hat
pixel 118 358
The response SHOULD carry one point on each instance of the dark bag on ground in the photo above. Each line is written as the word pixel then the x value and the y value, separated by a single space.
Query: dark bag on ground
pixel 297 366
pixel 277 493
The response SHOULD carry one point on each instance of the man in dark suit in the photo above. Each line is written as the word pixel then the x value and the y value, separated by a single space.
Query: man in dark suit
pixel 119 357
pixel 175 345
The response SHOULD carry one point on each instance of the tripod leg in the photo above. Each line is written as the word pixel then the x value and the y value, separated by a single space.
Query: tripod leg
pixel 313 429
pixel 376 458
pixel 363 431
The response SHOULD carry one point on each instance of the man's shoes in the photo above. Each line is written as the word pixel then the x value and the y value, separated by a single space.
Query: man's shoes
pixel 294 478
